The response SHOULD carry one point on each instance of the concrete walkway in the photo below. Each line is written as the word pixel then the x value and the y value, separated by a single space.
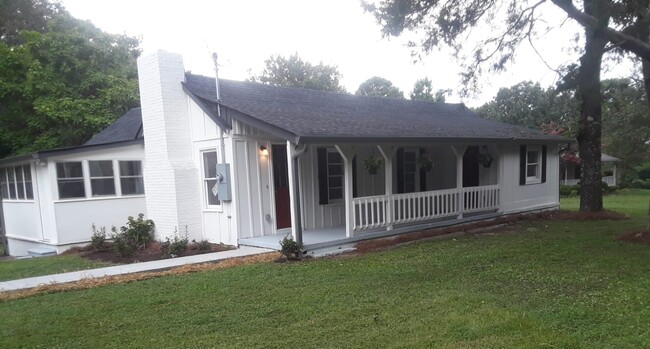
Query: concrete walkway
pixel 22 284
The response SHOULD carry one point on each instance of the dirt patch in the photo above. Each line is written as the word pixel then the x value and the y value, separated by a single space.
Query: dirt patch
pixel 153 252
pixel 485 226
pixel 639 237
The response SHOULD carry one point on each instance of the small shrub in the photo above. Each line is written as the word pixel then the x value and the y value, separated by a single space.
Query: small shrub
pixel 175 246
pixel 122 246
pixel 290 248
pixel 204 246
pixel 3 250
pixel 98 239
pixel 569 190
pixel 139 230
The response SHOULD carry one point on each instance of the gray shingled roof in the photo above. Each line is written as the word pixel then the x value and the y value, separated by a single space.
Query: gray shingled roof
pixel 127 128
pixel 318 115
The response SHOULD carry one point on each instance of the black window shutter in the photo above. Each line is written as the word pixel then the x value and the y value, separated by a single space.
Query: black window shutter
pixel 322 176
pixel 423 174
pixel 544 164
pixel 400 171
pixel 522 164
pixel 354 176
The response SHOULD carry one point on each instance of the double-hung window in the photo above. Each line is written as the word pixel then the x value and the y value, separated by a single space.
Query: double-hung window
pixel 210 179
pixel 131 178
pixel 533 165
pixel 70 180
pixel 102 180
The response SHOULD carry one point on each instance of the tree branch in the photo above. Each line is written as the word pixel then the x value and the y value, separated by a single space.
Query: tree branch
pixel 622 40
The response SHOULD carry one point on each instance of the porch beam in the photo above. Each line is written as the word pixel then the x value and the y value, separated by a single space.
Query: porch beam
pixel 347 153
pixel 387 153
pixel 459 151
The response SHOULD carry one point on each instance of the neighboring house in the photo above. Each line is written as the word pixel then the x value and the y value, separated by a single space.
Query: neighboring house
pixel 570 169
pixel 261 162
pixel 50 199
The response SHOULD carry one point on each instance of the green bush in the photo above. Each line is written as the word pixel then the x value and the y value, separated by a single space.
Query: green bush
pixel 569 190
pixel 204 245
pixel 290 248
pixel 643 171
pixel 98 239
pixel 132 237
pixel 176 245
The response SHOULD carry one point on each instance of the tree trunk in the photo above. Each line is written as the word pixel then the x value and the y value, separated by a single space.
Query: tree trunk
pixel 591 109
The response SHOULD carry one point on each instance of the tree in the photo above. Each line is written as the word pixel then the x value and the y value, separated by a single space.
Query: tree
pixel 626 121
pixel 59 87
pixel 379 87
pixel 20 15
pixel 528 104
pixel 423 91
pixel 294 72
pixel 449 22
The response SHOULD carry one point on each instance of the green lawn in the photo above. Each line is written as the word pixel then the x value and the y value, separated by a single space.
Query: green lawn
pixel 22 268
pixel 541 285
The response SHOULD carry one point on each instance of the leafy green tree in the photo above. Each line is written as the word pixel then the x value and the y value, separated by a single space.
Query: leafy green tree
pixel 626 122
pixel 624 25
pixel 379 87
pixel 294 72
pixel 422 90
pixel 528 104
pixel 31 15
pixel 59 87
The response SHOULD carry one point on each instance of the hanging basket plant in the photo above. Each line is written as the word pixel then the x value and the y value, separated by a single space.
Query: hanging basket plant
pixel 484 157
pixel 425 162
pixel 373 164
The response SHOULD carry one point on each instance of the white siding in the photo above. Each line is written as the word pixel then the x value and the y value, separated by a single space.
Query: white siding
pixel 516 197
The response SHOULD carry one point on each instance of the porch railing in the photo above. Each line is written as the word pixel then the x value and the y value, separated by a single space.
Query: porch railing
pixel 610 180
pixel 384 210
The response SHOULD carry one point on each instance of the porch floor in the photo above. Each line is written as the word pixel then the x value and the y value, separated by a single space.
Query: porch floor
pixel 309 237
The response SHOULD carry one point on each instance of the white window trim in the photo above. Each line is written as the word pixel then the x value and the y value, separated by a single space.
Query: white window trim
pixel 120 176
pixel 84 178
pixel 24 183
pixel 204 187
pixel 92 194
pixel 537 178
pixel 331 201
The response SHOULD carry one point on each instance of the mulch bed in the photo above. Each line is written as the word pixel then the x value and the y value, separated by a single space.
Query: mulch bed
pixel 153 252
pixel 557 215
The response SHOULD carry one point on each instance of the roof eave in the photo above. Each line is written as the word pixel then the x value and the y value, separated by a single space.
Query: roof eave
pixel 44 154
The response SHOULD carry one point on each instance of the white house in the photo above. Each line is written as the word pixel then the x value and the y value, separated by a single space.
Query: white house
pixel 570 169
pixel 246 164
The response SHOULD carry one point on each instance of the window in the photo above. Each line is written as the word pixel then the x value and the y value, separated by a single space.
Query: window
pixel 210 178
pixel 131 178
pixel 70 180
pixel 102 181
pixel 16 183
pixel 4 186
pixel 532 165
pixel 334 175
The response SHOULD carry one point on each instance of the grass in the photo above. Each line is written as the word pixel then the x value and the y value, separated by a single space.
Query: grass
pixel 12 269
pixel 537 285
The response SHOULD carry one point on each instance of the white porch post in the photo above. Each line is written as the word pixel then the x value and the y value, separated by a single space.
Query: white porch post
pixel 387 154
pixel 293 195
pixel 459 151
pixel 347 155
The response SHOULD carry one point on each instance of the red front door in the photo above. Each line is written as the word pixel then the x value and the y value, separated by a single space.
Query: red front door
pixel 281 186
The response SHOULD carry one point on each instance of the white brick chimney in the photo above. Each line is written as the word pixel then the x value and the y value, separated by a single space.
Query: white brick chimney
pixel 170 175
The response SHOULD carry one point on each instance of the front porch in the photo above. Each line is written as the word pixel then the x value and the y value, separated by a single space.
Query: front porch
pixel 386 215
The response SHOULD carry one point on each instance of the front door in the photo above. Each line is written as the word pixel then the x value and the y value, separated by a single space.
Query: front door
pixel 281 186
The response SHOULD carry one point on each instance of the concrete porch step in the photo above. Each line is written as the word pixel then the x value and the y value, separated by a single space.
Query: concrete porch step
pixel 41 252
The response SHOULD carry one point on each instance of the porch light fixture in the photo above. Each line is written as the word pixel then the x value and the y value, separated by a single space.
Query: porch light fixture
pixel 264 151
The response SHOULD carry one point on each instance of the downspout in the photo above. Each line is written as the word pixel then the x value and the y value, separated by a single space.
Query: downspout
pixel 216 82
pixel 300 149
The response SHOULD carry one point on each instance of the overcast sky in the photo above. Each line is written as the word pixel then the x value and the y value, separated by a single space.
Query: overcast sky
pixel 335 32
